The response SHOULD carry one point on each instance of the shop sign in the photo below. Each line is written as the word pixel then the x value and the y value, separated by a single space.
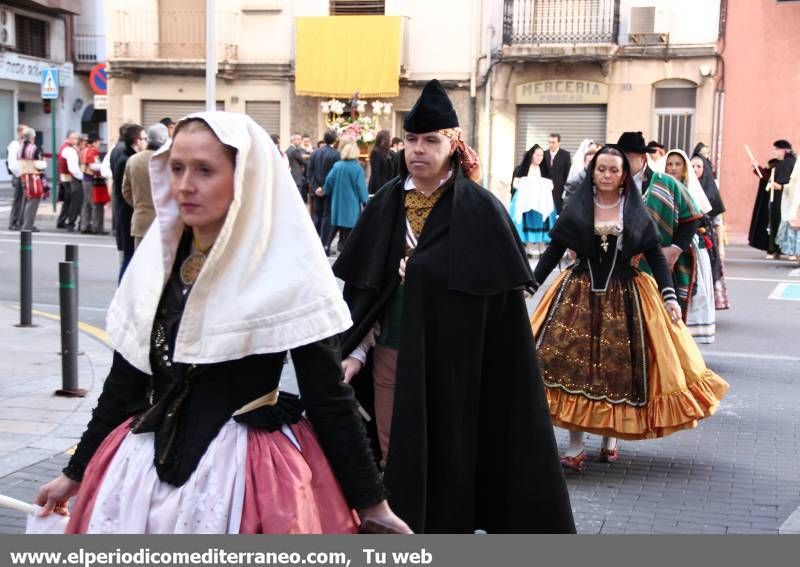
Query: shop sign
pixel 100 102
pixel 562 91
pixel 16 67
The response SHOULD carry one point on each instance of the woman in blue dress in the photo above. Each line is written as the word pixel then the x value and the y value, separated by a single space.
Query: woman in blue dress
pixel 532 207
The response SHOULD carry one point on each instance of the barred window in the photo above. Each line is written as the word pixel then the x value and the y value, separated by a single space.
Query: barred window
pixel 674 109
pixel 32 36
pixel 357 7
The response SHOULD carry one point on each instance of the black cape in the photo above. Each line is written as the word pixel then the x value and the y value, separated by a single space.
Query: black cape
pixel 766 216
pixel 710 188
pixel 472 444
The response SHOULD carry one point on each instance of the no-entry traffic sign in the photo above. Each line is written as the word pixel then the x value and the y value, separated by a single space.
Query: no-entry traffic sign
pixel 98 79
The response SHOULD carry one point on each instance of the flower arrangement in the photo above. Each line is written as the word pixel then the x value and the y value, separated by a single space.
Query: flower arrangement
pixel 350 118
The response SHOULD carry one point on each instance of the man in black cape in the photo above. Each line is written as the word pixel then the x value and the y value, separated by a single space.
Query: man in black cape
pixel 471 443
pixel 772 200
pixel 763 227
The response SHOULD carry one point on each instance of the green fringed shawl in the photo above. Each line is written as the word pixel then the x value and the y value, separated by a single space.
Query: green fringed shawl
pixel 670 205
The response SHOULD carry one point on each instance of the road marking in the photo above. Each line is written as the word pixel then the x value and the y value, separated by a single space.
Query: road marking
pixel 769 280
pixel 95 332
pixel 84 307
pixel 786 291
pixel 750 356
pixel 49 243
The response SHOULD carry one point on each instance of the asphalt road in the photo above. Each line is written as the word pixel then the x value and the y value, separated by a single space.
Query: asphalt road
pixel 735 473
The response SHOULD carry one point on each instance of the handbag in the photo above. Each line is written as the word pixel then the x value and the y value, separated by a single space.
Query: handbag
pixel 100 194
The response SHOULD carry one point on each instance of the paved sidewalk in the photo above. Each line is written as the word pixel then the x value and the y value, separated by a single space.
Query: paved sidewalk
pixel 37 427
pixel 736 473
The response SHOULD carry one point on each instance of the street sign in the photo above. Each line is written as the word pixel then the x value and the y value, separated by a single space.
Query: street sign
pixel 49 83
pixel 100 102
pixel 98 79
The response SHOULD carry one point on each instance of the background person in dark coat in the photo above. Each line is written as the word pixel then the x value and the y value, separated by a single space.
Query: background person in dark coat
pixel 381 164
pixel 135 140
pixel 471 441
pixel 298 159
pixel 319 165
pixel 397 157
pixel 556 166
pixel 760 222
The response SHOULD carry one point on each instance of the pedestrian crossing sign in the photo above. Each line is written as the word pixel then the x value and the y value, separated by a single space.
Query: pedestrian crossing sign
pixel 49 83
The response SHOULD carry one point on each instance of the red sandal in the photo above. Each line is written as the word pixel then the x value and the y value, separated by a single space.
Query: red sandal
pixel 609 455
pixel 574 463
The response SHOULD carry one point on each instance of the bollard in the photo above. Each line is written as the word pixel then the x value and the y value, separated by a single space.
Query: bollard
pixel 71 255
pixel 25 279
pixel 69 331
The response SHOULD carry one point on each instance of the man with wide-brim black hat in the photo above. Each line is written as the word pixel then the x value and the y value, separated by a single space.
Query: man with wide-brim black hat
pixel 434 277
pixel 676 215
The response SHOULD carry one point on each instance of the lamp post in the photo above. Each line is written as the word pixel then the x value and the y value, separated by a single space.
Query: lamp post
pixel 211 58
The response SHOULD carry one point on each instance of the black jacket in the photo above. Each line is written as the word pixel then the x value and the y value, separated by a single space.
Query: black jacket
pixel 319 165
pixel 472 443
pixel 297 166
pixel 123 211
pixel 557 171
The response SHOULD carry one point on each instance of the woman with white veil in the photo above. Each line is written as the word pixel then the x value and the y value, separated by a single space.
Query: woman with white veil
pixel 701 318
pixel 190 433
pixel 577 160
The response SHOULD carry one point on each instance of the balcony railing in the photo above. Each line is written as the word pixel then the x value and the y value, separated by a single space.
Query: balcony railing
pixel 163 34
pixel 560 21
pixel 90 48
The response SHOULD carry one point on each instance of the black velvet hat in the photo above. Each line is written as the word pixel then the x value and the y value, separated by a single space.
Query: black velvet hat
pixel 782 145
pixel 634 142
pixel 432 111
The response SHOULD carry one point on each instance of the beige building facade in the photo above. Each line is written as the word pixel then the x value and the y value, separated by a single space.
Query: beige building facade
pixel 157 65
pixel 596 69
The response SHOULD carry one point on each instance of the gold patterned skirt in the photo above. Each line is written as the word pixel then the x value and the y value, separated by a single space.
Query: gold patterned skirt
pixel 614 364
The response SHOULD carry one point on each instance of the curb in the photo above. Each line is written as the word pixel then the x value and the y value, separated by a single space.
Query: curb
pixel 792 523
pixel 95 332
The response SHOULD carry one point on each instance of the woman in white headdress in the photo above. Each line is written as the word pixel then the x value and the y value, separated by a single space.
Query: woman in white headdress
pixel 788 237
pixel 701 318
pixel 190 434
pixel 578 160
pixel 532 208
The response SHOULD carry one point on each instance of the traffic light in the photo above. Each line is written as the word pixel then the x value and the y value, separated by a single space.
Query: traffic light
pixel 46 106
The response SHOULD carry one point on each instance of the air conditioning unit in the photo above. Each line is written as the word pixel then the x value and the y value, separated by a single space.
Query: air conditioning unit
pixel 648 25
pixel 8 35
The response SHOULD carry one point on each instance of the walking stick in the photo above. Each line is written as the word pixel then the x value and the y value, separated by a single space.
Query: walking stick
pixel 771 190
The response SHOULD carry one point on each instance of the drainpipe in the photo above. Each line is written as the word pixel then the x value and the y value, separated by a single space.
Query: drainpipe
pixel 487 101
pixel 211 58
pixel 473 97
pixel 477 14
pixel 720 118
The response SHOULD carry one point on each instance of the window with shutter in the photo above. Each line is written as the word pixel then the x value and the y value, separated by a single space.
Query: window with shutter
pixel 32 36
pixel 357 7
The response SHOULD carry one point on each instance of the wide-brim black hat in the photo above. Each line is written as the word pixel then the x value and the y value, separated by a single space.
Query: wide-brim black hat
pixel 634 142
pixel 432 111
pixel 782 145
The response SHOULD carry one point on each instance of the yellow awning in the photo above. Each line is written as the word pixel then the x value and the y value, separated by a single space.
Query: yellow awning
pixel 341 55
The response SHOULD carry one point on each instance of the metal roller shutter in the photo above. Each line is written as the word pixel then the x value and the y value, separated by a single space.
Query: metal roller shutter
pixel 266 113
pixel 155 110
pixel 573 121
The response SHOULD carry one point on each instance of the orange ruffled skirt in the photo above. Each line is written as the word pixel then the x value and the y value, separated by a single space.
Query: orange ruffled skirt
pixel 677 388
